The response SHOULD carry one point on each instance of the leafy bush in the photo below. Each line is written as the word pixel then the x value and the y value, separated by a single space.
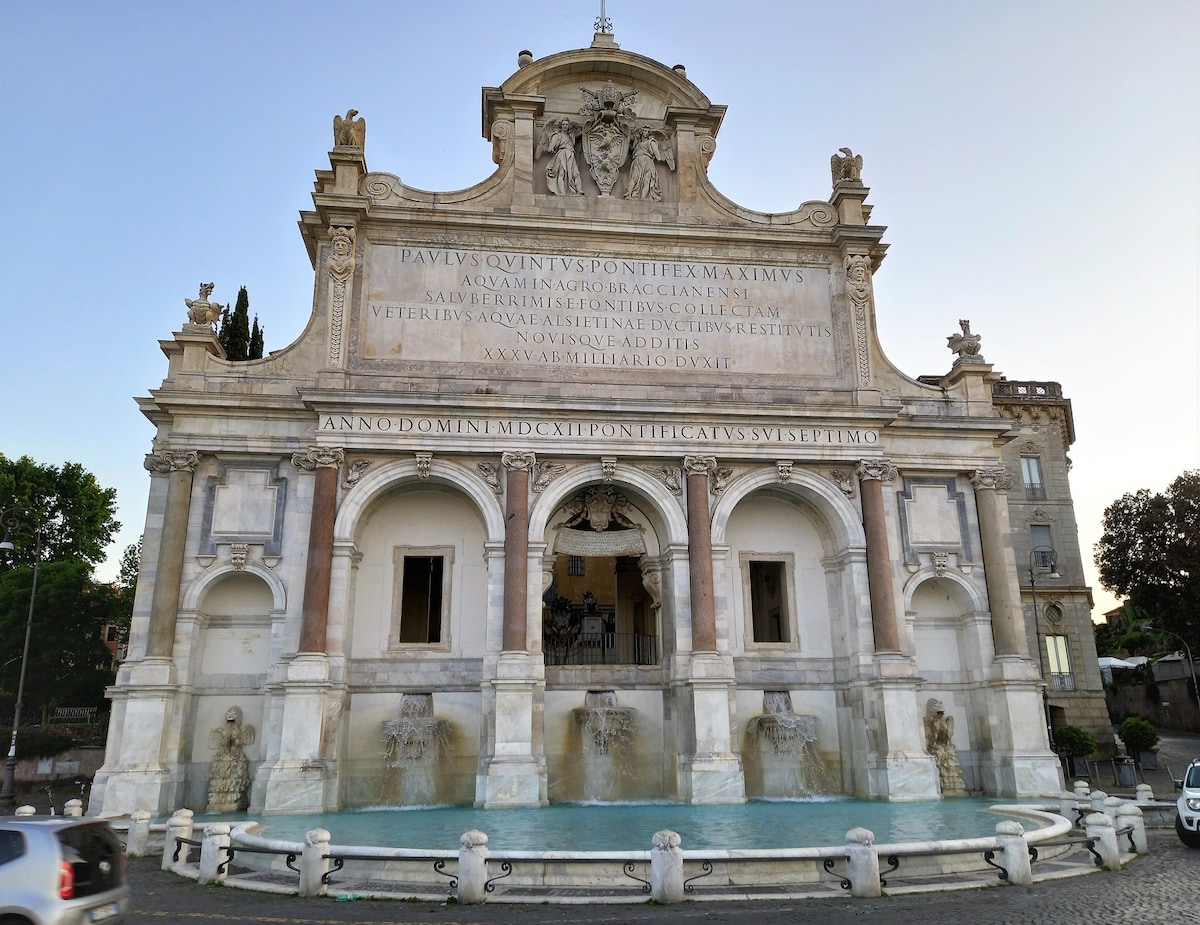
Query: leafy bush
pixel 1138 734
pixel 36 742
pixel 1074 741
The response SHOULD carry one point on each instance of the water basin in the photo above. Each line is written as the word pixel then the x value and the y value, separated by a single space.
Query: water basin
pixel 631 826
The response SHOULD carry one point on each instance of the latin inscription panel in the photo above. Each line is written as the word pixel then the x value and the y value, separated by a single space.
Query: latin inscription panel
pixel 540 310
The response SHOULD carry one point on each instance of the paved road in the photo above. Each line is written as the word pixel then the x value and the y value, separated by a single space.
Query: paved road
pixel 1160 889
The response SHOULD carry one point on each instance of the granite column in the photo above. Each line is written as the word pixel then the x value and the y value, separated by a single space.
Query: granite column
pixel 325 463
pixel 704 618
pixel 164 604
pixel 872 474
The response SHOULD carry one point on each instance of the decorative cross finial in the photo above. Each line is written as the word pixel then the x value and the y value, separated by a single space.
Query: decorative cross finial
pixel 603 23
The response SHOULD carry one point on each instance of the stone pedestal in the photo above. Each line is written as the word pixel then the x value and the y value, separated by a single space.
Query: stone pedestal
pixel 135 775
pixel 515 773
pixel 1021 763
pixel 898 767
pixel 708 770
pixel 296 782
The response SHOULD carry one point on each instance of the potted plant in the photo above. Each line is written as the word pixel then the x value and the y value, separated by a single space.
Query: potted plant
pixel 1075 744
pixel 1139 736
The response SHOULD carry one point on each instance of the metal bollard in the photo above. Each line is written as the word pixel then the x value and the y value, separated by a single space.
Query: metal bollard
pixel 472 867
pixel 666 867
pixel 863 868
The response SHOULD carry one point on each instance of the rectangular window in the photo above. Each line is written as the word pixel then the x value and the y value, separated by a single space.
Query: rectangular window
pixel 768 601
pixel 1031 475
pixel 421 594
pixel 1058 662
pixel 1041 545
pixel 576 565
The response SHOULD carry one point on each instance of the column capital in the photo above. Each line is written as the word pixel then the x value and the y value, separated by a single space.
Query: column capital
pixel 996 479
pixel 319 457
pixel 172 461
pixel 699 465
pixel 881 469
pixel 518 460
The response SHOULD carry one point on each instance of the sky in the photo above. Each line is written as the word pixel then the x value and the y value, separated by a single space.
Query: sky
pixel 1037 164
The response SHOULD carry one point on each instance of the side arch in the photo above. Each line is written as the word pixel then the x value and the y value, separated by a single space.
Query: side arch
pixel 375 483
pixel 842 518
pixel 197 589
pixel 977 602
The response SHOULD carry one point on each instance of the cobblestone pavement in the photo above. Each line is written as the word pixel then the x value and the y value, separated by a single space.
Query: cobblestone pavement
pixel 1160 889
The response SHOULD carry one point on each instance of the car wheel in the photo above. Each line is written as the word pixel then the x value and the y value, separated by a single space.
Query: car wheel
pixel 14 920
pixel 1189 838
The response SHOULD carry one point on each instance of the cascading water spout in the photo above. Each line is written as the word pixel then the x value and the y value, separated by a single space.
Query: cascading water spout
pixel 413 743
pixel 606 735
pixel 785 745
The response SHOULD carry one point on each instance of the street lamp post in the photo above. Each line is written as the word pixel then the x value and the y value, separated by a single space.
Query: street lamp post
pixel 10 518
pixel 1050 557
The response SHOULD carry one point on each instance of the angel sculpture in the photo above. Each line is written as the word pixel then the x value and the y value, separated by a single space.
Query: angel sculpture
pixel 966 344
pixel 202 311
pixel 846 166
pixel 349 132
pixel 649 147
pixel 229 776
pixel 558 139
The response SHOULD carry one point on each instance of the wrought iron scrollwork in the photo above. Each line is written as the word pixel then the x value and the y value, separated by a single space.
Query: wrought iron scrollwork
pixel 490 886
pixel 843 881
pixel 706 867
pixel 629 868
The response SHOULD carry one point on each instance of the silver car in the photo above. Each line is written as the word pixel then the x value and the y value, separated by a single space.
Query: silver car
pixel 59 870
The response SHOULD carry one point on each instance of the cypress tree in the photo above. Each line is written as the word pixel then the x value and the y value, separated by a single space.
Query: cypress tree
pixel 224 330
pixel 256 341
pixel 239 325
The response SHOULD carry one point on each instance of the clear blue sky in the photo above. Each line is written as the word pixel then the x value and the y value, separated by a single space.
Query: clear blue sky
pixel 1036 163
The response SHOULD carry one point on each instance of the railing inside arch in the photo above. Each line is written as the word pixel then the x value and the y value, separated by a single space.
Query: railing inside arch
pixel 602 649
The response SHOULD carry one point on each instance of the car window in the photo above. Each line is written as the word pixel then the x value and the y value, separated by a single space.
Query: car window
pixel 1193 776
pixel 12 846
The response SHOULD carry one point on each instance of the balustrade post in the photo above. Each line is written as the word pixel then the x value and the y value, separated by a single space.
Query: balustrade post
pixel 212 854
pixel 178 826
pixel 1100 827
pixel 138 835
pixel 862 869
pixel 666 868
pixel 472 867
pixel 314 864
pixel 1014 852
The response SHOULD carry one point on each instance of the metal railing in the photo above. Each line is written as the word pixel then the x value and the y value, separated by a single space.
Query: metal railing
pixel 601 649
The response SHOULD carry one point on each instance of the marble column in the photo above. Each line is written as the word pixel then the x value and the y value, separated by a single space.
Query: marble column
pixel 516 550
pixel 164 604
pixel 1008 630
pixel 872 474
pixel 325 463
pixel 704 618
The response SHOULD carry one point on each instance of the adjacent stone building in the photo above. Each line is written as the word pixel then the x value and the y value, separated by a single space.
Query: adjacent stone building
pixel 587 482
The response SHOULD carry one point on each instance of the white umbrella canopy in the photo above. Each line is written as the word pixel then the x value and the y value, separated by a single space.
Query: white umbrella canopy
pixel 1107 661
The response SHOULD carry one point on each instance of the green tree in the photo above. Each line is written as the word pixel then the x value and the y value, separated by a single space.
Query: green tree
pixel 67 664
pixel 225 329
pixel 1150 553
pixel 256 341
pixel 237 344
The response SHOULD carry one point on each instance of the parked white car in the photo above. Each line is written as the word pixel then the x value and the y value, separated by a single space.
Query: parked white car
pixel 57 870
pixel 1187 816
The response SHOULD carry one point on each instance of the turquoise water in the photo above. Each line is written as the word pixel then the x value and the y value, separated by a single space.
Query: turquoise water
pixel 625 827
